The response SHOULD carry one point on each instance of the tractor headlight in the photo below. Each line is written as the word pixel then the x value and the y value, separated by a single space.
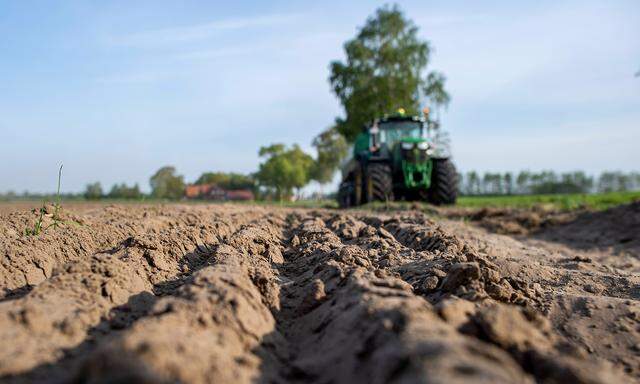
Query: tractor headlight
pixel 423 146
pixel 407 146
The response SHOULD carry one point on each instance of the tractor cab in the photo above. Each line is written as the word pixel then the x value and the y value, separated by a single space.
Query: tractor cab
pixel 393 133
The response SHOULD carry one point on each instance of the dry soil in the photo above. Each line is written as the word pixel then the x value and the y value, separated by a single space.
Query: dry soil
pixel 202 294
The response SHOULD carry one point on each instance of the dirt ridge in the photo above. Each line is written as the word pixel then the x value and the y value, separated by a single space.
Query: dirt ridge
pixel 248 294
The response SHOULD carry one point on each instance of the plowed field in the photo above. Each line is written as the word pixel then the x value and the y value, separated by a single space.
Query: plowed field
pixel 232 294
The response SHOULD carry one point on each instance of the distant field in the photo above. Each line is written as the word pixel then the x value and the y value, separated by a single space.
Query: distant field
pixel 7 206
pixel 563 202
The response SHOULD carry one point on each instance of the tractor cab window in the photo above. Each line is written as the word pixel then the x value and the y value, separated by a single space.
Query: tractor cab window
pixel 393 132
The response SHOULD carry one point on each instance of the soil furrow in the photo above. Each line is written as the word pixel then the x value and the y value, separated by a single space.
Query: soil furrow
pixel 29 260
pixel 85 300
pixel 344 321
pixel 212 326
pixel 325 262
pixel 200 294
pixel 218 318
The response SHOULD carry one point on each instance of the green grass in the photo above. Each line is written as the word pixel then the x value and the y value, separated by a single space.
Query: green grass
pixel 563 202
pixel 289 204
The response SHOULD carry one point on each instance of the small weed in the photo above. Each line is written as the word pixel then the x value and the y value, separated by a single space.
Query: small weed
pixel 37 227
pixel 56 206
pixel 57 220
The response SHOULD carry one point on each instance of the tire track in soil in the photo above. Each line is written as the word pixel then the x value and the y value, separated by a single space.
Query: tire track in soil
pixel 343 321
pixel 348 315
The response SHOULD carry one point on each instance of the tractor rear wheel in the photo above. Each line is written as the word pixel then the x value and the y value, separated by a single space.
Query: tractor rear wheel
pixel 378 183
pixel 444 183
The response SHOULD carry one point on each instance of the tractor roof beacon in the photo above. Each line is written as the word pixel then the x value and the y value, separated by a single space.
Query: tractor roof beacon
pixel 399 158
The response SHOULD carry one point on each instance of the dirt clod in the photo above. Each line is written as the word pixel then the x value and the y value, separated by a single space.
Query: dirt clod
pixel 461 274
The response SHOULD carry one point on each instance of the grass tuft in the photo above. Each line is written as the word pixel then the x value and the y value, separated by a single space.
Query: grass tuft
pixel 42 212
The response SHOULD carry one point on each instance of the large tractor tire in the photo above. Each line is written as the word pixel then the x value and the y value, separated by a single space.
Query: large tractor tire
pixel 444 183
pixel 350 190
pixel 345 195
pixel 378 183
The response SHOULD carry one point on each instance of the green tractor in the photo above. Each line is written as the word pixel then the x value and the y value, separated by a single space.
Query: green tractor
pixel 399 158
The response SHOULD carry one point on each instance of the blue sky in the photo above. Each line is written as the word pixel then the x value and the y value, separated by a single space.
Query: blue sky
pixel 116 89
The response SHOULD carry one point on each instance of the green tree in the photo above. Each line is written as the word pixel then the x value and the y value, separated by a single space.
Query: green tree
pixel 574 182
pixel 635 180
pixel 492 183
pixel 508 183
pixel 435 92
pixel 522 181
pixel 284 169
pixel 383 72
pixel 302 167
pixel 166 184
pixel 122 191
pixel 227 180
pixel 93 191
pixel 332 148
pixel 473 183
pixel 545 182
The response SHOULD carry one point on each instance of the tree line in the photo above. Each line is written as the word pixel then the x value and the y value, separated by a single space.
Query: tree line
pixel 165 184
pixel 286 170
pixel 118 191
pixel 546 182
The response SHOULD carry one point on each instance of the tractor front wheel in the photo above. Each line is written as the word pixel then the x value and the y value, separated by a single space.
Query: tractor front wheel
pixel 444 183
pixel 378 183
pixel 345 195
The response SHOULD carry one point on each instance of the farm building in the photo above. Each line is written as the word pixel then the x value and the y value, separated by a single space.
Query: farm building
pixel 214 192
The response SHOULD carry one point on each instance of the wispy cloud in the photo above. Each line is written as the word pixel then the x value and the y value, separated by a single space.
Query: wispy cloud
pixel 276 45
pixel 196 32
pixel 130 78
pixel 448 20
pixel 222 52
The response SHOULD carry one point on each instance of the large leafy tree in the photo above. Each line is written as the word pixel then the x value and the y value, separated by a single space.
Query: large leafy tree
pixel 331 147
pixel 284 169
pixel 93 191
pixel 122 191
pixel 166 184
pixel 384 70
